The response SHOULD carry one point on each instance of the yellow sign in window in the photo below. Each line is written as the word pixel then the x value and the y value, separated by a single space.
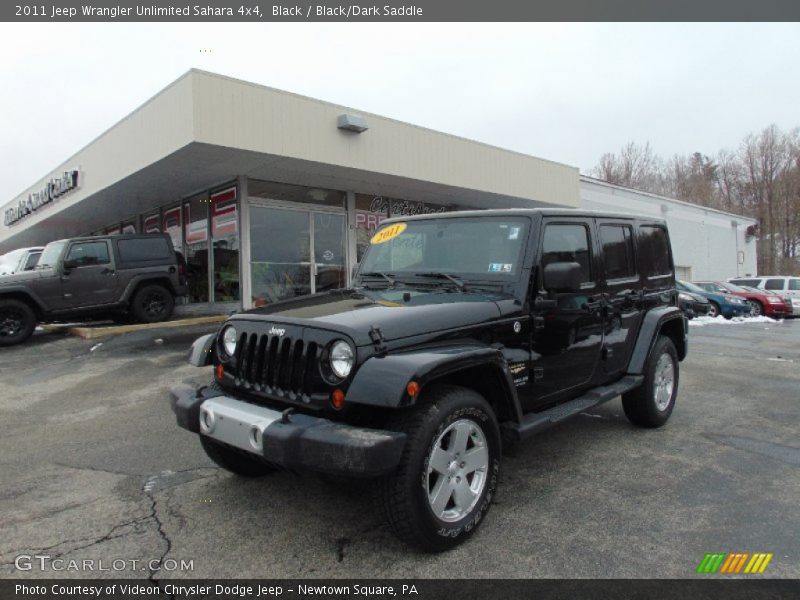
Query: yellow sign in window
pixel 388 233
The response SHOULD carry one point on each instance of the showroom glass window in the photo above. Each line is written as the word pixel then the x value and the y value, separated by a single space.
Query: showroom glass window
pixel 223 207
pixel 195 250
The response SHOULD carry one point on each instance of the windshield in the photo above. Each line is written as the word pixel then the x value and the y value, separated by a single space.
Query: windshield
pixel 469 248
pixel 51 254
pixel 690 287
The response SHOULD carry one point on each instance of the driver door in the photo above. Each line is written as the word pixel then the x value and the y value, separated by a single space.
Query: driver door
pixel 92 281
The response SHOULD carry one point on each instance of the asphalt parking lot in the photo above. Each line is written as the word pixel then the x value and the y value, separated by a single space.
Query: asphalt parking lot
pixel 94 467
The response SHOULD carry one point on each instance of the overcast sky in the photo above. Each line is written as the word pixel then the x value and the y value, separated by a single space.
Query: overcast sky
pixel 565 92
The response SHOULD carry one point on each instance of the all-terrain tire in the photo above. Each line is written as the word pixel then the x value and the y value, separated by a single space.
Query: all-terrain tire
pixel 404 494
pixel 234 461
pixel 152 303
pixel 651 404
pixel 17 322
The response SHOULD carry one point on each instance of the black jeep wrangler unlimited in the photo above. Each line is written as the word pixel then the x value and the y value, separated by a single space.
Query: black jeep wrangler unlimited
pixel 461 333
pixel 123 277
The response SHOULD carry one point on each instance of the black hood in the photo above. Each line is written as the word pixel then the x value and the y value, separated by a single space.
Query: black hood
pixel 398 313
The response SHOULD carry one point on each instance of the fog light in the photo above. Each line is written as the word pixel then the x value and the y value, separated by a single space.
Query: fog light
pixel 337 399
pixel 257 438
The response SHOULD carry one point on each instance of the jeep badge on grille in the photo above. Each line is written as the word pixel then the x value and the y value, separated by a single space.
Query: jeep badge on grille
pixel 278 332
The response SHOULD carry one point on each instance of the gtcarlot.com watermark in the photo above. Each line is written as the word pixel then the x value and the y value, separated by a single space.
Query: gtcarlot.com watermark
pixel 45 562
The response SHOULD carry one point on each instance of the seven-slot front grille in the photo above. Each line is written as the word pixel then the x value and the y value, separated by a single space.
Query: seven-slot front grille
pixel 275 365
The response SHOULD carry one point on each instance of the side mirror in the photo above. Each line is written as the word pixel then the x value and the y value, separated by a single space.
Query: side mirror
pixel 70 264
pixel 562 277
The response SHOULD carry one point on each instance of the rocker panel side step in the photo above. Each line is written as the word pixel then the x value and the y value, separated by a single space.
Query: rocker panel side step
pixel 535 422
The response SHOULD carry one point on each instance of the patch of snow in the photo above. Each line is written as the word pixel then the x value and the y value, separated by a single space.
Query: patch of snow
pixel 95 347
pixel 720 320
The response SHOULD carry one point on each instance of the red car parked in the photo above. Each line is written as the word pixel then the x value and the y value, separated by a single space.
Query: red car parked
pixel 761 302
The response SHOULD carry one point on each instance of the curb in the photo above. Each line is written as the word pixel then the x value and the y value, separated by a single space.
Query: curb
pixel 89 333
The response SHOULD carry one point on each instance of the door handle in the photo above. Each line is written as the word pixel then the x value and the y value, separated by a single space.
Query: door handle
pixel 107 271
pixel 593 303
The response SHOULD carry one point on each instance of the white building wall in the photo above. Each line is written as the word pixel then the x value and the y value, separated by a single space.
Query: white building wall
pixel 706 243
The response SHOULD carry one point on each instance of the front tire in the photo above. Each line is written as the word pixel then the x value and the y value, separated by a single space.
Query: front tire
pixel 651 404
pixel 756 310
pixel 448 472
pixel 237 463
pixel 17 322
pixel 152 304
pixel 713 310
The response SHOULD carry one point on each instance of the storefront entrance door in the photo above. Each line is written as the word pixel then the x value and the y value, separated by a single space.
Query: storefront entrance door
pixel 295 252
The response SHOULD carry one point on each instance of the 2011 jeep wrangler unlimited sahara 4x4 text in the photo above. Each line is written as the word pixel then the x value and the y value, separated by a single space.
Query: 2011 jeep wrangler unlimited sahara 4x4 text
pixel 462 332
pixel 124 277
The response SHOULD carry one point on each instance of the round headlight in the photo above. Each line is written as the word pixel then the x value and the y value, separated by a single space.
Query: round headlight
pixel 685 297
pixel 229 340
pixel 341 359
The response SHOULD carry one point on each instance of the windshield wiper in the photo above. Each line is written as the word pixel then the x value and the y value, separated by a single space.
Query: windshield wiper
pixel 387 276
pixel 458 283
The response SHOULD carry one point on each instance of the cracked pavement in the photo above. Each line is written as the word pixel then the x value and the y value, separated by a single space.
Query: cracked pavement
pixel 92 467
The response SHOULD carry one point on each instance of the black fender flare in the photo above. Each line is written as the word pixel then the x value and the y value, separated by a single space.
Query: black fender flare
pixel 653 321
pixel 17 291
pixel 138 280
pixel 382 380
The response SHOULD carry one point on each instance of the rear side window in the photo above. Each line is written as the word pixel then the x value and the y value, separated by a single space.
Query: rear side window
pixel 617 243
pixel 794 284
pixel 654 251
pixel 773 284
pixel 568 243
pixel 89 253
pixel 143 249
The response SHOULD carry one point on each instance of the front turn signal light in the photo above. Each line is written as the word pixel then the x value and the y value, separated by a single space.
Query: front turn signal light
pixel 412 389
pixel 337 399
pixel 219 371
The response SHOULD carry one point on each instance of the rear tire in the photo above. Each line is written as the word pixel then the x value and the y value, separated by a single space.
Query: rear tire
pixel 17 322
pixel 152 304
pixel 651 404
pixel 448 472
pixel 237 463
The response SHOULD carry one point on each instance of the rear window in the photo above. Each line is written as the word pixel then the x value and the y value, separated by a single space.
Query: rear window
pixel 794 284
pixel 654 251
pixel 773 284
pixel 144 249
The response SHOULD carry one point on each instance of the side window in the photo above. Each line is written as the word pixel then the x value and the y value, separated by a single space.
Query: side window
pixel 750 282
pixel 141 249
pixel 654 251
pixel 617 243
pixel 794 284
pixel 568 243
pixel 773 284
pixel 89 253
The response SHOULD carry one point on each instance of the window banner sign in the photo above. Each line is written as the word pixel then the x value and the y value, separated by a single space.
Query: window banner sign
pixel 172 225
pixel 196 231
pixel 223 213
pixel 151 224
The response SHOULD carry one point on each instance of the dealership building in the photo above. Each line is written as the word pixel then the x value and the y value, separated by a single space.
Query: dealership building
pixel 269 194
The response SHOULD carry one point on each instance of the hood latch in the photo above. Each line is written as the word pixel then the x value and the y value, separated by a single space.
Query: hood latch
pixel 377 339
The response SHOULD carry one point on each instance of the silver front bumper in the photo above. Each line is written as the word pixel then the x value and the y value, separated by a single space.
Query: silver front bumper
pixel 236 423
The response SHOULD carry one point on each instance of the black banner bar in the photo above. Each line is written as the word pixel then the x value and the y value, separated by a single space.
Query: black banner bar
pixel 739 588
pixel 401 10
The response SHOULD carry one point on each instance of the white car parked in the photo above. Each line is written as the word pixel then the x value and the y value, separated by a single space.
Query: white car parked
pixel 788 287
pixel 22 259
